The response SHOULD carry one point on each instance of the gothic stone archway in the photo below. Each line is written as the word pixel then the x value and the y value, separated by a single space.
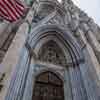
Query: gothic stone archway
pixel 23 82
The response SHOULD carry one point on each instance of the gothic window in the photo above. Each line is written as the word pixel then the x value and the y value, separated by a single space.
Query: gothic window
pixel 48 86
pixel 50 52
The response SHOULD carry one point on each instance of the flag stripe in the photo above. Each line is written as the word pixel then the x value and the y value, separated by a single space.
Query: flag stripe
pixel 16 8
pixel 19 3
pixel 6 17
pixel 3 11
pixel 2 8
pixel 19 9
pixel 4 5
pixel 11 9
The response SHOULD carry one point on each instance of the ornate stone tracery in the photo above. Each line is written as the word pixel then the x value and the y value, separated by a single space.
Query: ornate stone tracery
pixel 50 52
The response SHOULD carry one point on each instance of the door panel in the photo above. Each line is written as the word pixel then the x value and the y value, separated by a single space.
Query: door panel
pixel 48 87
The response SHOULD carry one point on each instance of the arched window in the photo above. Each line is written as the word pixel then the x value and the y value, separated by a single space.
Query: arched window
pixel 48 86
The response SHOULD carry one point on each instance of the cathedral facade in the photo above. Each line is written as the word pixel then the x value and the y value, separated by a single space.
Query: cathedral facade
pixel 52 54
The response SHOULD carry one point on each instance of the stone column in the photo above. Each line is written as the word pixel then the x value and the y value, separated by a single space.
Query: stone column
pixel 90 71
pixel 91 54
pixel 29 83
pixel 78 90
pixel 93 41
pixel 67 86
pixel 94 44
pixel 91 80
pixel 16 88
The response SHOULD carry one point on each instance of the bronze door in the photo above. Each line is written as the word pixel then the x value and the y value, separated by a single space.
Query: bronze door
pixel 48 87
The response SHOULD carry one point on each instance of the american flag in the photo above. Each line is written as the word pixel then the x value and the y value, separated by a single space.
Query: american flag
pixel 11 10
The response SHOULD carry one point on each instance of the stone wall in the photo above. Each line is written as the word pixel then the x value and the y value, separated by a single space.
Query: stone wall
pixel 74 23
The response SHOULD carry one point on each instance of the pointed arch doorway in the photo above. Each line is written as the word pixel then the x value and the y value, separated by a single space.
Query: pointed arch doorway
pixel 48 86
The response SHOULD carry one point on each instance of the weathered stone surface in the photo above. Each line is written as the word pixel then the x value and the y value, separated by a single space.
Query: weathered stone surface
pixel 75 34
pixel 12 56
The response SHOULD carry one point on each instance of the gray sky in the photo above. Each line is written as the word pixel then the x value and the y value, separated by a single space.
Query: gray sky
pixel 91 7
